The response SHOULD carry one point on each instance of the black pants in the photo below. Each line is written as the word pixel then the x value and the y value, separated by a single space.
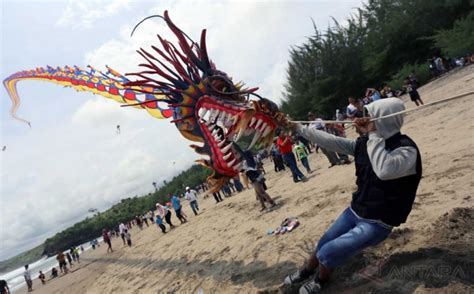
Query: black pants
pixel 217 196
pixel 278 162
pixel 181 218
pixel 168 218
pixel 162 227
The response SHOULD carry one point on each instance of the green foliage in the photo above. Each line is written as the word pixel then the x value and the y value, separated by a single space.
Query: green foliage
pixel 421 72
pixel 123 211
pixel 19 260
pixel 459 40
pixel 319 67
pixel 382 41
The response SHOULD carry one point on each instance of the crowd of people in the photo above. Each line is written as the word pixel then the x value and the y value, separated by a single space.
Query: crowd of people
pixel 72 257
pixel 440 65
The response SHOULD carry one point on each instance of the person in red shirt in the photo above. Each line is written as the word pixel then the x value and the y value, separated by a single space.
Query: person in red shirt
pixel 285 145
pixel 106 237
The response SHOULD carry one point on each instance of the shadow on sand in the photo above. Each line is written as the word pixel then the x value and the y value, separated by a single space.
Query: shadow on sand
pixel 258 273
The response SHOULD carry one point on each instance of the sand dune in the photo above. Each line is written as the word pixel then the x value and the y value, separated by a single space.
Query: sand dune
pixel 226 250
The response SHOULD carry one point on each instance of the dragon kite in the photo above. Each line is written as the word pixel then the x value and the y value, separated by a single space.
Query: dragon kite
pixel 183 84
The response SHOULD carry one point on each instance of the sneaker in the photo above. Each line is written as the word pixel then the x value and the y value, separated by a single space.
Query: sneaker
pixel 271 208
pixel 297 277
pixel 311 287
pixel 304 179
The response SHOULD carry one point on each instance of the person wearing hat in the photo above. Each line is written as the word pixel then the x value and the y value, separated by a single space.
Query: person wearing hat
pixel 191 196
pixel 163 212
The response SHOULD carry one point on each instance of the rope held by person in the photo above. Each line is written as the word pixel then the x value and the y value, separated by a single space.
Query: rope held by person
pixel 390 115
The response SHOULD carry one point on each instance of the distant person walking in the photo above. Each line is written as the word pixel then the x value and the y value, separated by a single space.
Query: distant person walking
pixel 42 277
pixel 69 259
pixel 76 254
pixel 159 223
pixel 191 196
pixel 71 251
pixel 302 155
pixel 285 144
pixel 333 130
pixel 27 276
pixel 217 196
pixel 258 180
pixel 165 213
pixel 106 237
pixel 177 208
pixel 54 273
pixel 128 237
pixel 122 228
pixel 410 88
pixel 330 155
pixel 61 258
pixel 277 158
pixel 238 185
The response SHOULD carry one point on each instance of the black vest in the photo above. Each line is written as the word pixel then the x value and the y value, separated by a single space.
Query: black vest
pixel 390 201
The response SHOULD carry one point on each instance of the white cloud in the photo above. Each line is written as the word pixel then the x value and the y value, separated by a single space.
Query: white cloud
pixel 101 112
pixel 84 14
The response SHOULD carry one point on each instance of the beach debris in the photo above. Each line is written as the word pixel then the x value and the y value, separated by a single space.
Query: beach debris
pixel 287 225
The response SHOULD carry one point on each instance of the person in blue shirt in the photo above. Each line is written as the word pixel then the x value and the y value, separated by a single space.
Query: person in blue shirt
pixel 373 94
pixel 177 208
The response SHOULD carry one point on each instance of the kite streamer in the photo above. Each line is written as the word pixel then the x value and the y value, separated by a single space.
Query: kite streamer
pixel 110 85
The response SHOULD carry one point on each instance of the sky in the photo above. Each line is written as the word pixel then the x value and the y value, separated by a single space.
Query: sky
pixel 71 159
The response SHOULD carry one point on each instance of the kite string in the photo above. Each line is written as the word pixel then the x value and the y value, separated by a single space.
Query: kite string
pixel 389 115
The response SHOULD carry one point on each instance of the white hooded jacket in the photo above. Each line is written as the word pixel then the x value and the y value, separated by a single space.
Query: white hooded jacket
pixel 387 165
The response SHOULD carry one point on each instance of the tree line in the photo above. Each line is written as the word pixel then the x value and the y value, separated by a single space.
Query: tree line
pixel 123 211
pixel 380 44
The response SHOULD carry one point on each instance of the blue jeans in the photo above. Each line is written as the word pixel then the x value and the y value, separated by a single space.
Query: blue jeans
pixel 305 163
pixel 238 185
pixel 291 161
pixel 348 236
pixel 194 206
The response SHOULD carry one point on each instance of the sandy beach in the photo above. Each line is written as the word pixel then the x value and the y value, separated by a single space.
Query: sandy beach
pixel 225 249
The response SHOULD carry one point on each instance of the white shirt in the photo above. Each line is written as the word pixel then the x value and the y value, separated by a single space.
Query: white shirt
pixel 121 228
pixel 27 275
pixel 191 195
pixel 351 110
pixel 318 124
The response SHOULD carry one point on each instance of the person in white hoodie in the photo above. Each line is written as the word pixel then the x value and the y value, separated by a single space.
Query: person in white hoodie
pixel 388 171
pixel 191 196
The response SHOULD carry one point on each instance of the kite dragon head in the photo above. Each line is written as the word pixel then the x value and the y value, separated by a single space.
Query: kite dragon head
pixel 208 107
